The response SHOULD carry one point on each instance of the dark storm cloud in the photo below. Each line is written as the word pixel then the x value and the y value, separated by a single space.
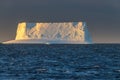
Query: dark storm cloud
pixel 70 8
pixel 99 14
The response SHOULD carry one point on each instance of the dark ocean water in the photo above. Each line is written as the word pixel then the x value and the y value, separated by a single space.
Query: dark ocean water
pixel 60 62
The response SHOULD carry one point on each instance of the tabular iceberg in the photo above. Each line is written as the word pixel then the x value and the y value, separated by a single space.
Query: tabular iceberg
pixel 52 33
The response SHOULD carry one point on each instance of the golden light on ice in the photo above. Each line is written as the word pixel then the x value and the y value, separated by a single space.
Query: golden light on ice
pixel 64 32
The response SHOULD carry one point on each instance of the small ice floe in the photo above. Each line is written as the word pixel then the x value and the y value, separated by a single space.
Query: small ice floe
pixel 41 70
pixel 47 43
pixel 117 70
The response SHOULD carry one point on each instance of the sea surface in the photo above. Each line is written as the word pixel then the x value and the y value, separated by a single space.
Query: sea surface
pixel 60 62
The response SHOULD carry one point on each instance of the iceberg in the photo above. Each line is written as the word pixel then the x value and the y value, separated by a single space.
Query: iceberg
pixel 52 33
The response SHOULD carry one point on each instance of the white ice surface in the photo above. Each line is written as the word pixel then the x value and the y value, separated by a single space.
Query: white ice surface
pixel 64 32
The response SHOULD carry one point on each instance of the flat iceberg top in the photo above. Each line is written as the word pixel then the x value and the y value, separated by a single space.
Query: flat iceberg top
pixel 53 32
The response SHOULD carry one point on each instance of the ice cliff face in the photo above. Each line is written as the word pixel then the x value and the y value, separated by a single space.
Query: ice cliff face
pixel 68 31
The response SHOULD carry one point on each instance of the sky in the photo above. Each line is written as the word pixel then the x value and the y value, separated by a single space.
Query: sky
pixel 101 16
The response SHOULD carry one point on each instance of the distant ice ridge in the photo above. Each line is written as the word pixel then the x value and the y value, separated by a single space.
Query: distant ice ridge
pixel 60 32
